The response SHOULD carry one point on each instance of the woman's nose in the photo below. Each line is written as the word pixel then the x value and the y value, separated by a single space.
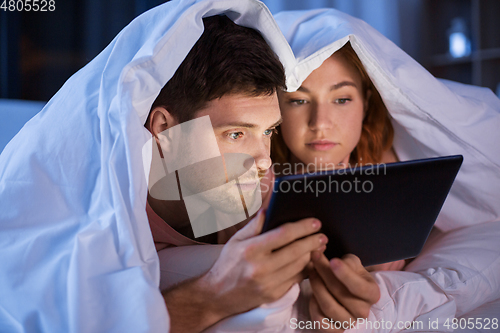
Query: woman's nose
pixel 320 117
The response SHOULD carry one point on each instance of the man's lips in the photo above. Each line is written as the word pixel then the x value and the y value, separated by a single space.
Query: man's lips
pixel 248 186
pixel 248 183
pixel 321 145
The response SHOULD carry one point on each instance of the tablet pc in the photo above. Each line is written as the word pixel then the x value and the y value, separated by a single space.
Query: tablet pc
pixel 380 213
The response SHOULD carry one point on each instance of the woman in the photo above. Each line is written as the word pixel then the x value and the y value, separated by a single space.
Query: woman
pixel 336 117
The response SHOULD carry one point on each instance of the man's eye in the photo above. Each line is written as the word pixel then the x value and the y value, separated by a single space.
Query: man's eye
pixel 298 101
pixel 270 131
pixel 235 135
pixel 342 100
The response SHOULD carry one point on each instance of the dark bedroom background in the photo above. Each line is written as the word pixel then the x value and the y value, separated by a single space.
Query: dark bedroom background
pixel 454 39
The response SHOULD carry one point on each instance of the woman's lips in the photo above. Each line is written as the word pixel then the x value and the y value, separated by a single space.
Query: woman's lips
pixel 321 145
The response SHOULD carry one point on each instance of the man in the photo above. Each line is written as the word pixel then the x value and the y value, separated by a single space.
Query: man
pixel 232 76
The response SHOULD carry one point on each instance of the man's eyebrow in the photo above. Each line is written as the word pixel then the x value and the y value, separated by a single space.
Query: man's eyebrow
pixel 236 124
pixel 248 125
pixel 276 123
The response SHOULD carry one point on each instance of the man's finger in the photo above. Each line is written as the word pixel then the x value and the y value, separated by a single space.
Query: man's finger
pixel 289 253
pixel 253 228
pixel 287 233
pixel 284 287
pixel 293 270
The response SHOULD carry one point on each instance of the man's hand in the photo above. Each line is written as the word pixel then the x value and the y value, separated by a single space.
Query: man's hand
pixel 343 290
pixel 251 270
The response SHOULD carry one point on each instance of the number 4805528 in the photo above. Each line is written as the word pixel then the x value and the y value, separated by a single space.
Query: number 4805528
pixel 28 5
pixel 472 323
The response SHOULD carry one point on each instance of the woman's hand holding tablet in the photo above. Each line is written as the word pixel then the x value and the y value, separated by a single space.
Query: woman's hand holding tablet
pixel 343 290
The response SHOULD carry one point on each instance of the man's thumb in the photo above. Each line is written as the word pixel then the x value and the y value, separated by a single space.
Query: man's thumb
pixel 253 228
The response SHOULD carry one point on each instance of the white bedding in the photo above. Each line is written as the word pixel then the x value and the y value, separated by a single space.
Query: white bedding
pixel 463 266
pixel 14 114
pixel 77 252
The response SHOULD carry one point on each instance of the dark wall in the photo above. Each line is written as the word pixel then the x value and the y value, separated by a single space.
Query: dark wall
pixel 39 51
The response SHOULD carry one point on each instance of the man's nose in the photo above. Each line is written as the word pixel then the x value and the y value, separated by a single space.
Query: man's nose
pixel 320 117
pixel 261 157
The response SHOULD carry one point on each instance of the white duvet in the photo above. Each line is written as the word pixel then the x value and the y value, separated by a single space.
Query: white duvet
pixel 77 252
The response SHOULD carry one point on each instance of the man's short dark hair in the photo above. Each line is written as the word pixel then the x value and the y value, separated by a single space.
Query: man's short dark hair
pixel 227 59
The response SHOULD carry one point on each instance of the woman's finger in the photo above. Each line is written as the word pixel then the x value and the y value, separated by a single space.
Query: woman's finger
pixel 356 279
pixel 327 303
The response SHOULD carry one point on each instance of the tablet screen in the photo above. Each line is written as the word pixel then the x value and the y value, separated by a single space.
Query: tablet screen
pixel 380 213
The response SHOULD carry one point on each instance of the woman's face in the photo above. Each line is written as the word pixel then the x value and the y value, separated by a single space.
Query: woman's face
pixel 322 120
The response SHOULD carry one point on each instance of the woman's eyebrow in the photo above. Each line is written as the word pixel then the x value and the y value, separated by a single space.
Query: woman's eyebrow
pixel 342 84
pixel 333 87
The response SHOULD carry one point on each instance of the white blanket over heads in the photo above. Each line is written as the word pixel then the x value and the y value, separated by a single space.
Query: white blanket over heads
pixel 460 270
pixel 431 117
pixel 77 253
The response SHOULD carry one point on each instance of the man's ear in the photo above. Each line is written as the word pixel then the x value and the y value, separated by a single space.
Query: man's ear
pixel 159 120
pixel 366 103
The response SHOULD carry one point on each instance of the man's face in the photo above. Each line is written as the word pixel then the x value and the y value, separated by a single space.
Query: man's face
pixel 218 157
pixel 223 150
pixel 243 127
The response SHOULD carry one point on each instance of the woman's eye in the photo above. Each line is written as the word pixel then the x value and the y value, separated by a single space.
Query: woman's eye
pixel 298 101
pixel 342 100
pixel 235 135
